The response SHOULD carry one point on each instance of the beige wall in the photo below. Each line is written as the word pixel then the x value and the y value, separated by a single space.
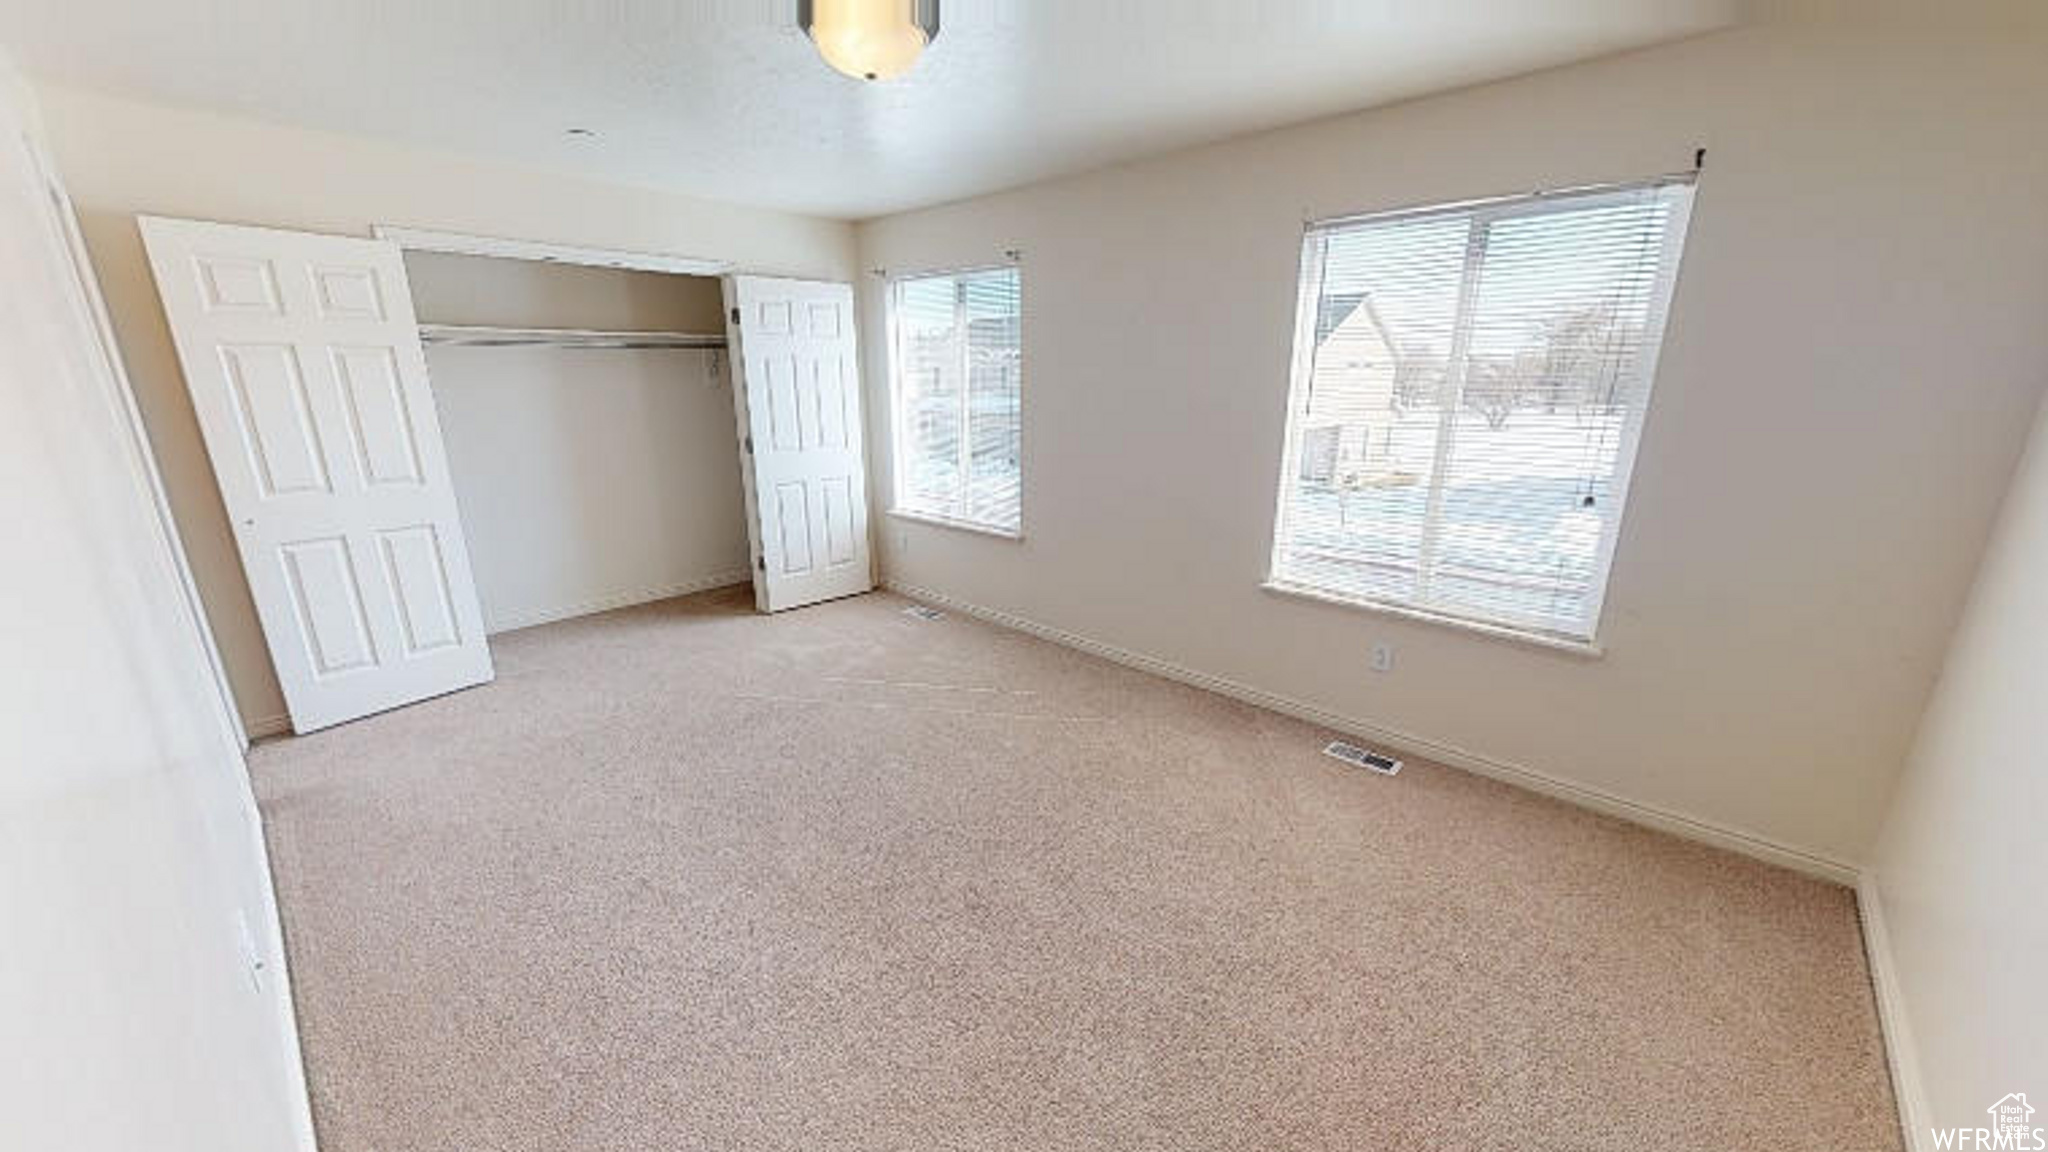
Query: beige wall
pixel 132 877
pixel 123 158
pixel 587 478
pixel 1959 870
pixel 1856 345
pixel 533 294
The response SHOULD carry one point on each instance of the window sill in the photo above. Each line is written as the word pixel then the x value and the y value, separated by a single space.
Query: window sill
pixel 958 525
pixel 1586 649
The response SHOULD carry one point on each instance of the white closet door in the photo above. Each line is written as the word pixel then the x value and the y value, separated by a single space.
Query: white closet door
pixel 798 401
pixel 304 363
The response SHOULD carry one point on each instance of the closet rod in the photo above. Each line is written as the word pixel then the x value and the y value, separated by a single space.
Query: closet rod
pixel 474 335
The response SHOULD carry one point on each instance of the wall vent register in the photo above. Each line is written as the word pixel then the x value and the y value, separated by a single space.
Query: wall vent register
pixel 1364 758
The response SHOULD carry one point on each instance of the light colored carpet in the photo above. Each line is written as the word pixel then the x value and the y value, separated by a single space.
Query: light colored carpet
pixel 689 878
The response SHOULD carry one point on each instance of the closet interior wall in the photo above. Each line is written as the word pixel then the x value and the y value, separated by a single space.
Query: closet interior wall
pixel 588 478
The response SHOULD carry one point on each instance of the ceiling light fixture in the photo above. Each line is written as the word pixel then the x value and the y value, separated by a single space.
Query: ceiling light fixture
pixel 870 39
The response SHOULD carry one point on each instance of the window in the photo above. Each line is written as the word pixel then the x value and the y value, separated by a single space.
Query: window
pixel 958 389
pixel 1469 384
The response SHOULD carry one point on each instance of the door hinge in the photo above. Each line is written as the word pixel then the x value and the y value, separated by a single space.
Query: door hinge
pixel 735 315
pixel 747 445
pixel 761 562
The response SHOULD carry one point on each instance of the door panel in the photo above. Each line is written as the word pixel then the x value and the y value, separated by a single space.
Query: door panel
pixel 329 605
pixel 381 424
pixel 304 364
pixel 276 418
pixel 793 512
pixel 417 579
pixel 840 546
pixel 797 399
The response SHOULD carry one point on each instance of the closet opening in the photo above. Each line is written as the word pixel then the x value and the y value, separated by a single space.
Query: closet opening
pixel 589 422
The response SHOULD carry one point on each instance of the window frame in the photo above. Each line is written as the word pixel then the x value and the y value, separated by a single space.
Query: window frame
pixel 1483 212
pixel 891 287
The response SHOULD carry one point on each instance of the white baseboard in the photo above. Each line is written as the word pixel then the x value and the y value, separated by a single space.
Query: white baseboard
pixel 553 613
pixel 1891 1015
pixel 270 925
pixel 1585 796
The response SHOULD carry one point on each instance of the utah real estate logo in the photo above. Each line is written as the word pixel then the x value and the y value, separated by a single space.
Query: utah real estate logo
pixel 2012 1127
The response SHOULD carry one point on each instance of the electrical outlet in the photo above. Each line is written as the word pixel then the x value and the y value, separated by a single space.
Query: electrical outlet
pixel 1383 657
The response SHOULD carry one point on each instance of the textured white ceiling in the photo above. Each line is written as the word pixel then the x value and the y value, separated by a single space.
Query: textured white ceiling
pixel 725 98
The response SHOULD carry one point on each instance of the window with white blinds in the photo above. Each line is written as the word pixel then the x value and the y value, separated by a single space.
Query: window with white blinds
pixel 957 369
pixel 1469 384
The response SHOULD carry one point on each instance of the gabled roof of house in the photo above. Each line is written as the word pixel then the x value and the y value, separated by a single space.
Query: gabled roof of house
pixel 1335 309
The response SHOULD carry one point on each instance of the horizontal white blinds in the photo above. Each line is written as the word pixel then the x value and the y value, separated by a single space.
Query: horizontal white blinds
pixel 1469 385
pixel 958 368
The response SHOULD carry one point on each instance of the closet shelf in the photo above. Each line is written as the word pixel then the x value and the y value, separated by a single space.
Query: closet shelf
pixel 484 336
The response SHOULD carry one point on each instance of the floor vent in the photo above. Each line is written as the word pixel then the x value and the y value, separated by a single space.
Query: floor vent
pixel 1365 758
pixel 924 613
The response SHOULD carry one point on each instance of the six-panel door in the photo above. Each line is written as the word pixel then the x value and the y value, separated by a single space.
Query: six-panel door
pixel 798 404
pixel 303 360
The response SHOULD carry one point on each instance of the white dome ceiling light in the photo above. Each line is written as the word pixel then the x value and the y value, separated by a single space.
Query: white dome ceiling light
pixel 870 39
